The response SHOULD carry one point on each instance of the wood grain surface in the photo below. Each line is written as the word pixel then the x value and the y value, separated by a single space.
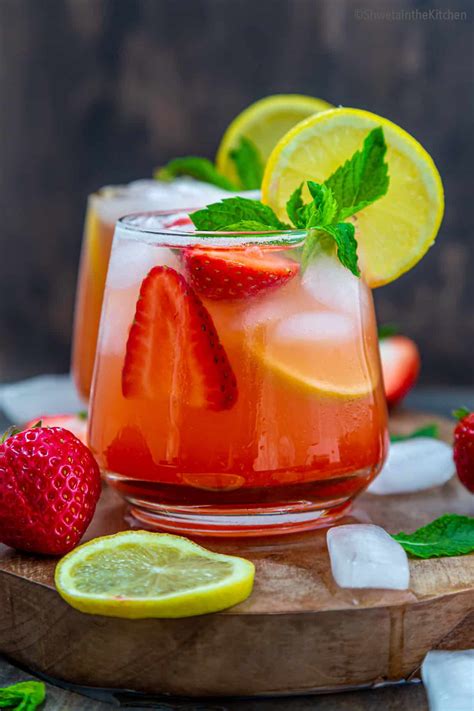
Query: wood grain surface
pixel 298 632
pixel 408 697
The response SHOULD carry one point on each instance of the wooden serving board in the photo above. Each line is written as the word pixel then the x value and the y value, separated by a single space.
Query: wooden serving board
pixel 297 633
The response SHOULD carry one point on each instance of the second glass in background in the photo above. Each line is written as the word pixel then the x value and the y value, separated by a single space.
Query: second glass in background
pixel 103 210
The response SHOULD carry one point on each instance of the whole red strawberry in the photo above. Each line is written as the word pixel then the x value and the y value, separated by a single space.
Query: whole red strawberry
pixel 49 488
pixel 464 447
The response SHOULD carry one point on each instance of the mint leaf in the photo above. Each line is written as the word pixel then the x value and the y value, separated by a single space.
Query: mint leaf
pixel 387 330
pixel 343 235
pixel 248 226
pixel 317 217
pixel 248 164
pixel 295 207
pixel 461 413
pixel 358 183
pixel 25 696
pixel 362 179
pixel 323 209
pixel 232 211
pixel 431 430
pixel 448 535
pixel 317 242
pixel 199 168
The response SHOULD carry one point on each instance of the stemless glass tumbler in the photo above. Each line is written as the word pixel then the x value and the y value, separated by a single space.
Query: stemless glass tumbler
pixel 234 392
pixel 104 208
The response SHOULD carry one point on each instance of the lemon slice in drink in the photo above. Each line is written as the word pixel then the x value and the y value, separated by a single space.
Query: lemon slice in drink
pixel 396 231
pixel 327 367
pixel 301 374
pixel 264 123
pixel 137 574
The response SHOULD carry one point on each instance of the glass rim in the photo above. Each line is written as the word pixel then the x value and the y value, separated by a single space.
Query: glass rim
pixel 182 237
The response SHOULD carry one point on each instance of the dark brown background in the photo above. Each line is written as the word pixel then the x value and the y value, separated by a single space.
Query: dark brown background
pixel 101 91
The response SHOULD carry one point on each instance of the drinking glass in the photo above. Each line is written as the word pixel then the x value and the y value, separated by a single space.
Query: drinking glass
pixel 103 210
pixel 234 393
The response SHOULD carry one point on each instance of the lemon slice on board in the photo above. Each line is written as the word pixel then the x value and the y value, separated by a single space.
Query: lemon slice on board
pixel 264 123
pixel 138 574
pixel 396 231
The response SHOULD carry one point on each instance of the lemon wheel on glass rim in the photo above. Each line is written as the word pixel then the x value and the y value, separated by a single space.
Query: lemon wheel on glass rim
pixel 264 123
pixel 396 231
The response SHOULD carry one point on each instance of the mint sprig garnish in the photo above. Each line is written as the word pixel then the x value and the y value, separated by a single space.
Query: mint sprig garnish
pixel 343 234
pixel 27 695
pixel 245 156
pixel 431 430
pixel 448 535
pixel 248 164
pixel 235 212
pixel 362 180
pixel 199 168
pixel 296 209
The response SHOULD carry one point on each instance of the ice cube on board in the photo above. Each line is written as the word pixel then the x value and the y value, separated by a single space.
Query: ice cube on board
pixel 414 465
pixel 365 556
pixel 41 395
pixel 449 680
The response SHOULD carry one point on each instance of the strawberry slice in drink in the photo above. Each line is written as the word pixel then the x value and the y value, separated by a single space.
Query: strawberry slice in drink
pixel 178 222
pixel 173 346
pixel 219 274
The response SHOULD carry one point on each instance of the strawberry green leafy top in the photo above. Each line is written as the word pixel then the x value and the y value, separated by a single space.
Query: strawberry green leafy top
pixel 355 185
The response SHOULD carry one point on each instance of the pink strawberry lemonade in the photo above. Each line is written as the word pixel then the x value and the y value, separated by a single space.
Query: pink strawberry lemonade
pixel 234 394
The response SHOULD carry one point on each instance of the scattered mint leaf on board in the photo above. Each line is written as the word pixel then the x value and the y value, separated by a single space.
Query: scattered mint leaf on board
pixel 461 413
pixel 448 535
pixel 235 210
pixel 362 179
pixel 248 164
pixel 431 430
pixel 199 168
pixel 25 696
pixel 387 330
